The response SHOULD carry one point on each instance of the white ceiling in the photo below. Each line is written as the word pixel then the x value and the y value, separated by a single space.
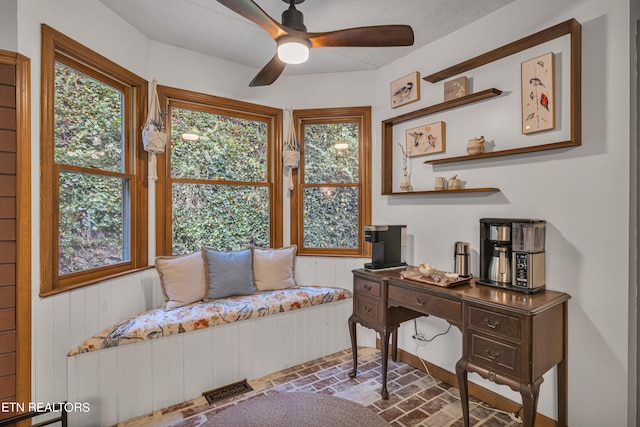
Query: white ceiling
pixel 210 28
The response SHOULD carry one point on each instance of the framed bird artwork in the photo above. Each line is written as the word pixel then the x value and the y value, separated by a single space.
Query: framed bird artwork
pixel 405 90
pixel 427 139
pixel 538 100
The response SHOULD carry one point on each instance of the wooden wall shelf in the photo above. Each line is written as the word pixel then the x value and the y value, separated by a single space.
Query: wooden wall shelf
pixel 387 133
pixel 462 190
pixel 570 27
pixel 501 153
pixel 447 105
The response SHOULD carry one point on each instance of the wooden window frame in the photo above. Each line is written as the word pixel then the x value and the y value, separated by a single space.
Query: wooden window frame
pixel 362 115
pixel 183 98
pixel 56 47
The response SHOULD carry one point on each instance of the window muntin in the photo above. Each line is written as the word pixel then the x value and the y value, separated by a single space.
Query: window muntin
pixel 93 204
pixel 331 202
pixel 223 189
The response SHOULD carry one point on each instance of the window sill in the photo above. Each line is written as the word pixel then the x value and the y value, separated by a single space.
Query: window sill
pixel 93 281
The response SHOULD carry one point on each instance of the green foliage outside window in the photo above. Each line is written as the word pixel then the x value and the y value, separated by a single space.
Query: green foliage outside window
pixel 330 214
pixel 207 210
pixel 88 134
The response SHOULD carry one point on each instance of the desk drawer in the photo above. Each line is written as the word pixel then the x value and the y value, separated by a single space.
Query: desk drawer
pixel 495 323
pixel 368 309
pixel 423 303
pixel 494 355
pixel 367 287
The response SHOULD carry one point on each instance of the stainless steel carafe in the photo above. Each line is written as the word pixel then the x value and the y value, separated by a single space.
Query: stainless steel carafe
pixel 461 259
pixel 500 265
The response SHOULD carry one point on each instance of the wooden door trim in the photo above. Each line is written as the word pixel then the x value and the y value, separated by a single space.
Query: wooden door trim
pixel 23 222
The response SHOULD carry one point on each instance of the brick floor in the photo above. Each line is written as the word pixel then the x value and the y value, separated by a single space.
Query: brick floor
pixel 416 399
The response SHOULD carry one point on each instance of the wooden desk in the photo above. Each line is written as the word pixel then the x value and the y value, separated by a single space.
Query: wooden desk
pixel 508 337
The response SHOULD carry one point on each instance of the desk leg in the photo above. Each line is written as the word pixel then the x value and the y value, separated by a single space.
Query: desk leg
pixel 384 348
pixel 529 393
pixel 354 346
pixel 394 345
pixel 461 373
pixel 562 373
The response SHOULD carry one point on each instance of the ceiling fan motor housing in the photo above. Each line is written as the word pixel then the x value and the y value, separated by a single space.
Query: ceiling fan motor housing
pixel 293 18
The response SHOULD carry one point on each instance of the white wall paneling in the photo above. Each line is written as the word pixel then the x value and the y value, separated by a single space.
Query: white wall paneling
pixel 132 380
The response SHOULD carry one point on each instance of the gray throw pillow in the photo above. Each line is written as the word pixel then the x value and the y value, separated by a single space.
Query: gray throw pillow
pixel 228 273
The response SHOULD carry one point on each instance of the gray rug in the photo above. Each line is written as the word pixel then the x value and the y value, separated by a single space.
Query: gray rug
pixel 296 410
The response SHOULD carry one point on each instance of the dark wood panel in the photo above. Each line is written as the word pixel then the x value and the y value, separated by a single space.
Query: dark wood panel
pixel 8 163
pixel 7 296
pixel 7 364
pixel 7 229
pixel 7 252
pixel 7 185
pixel 7 207
pixel 7 118
pixel 7 319
pixel 8 414
pixel 7 96
pixel 7 74
pixel 7 386
pixel 8 140
pixel 7 342
pixel 7 274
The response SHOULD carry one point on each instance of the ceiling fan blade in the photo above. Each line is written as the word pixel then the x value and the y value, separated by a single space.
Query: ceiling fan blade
pixel 269 73
pixel 374 36
pixel 255 14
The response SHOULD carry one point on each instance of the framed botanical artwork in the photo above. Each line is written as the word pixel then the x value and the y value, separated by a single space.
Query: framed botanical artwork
pixel 538 100
pixel 405 90
pixel 427 139
pixel 456 88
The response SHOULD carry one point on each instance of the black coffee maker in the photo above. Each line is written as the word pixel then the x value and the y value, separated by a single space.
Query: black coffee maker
pixel 388 246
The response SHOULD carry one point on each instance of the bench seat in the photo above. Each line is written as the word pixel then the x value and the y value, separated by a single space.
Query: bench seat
pixel 159 323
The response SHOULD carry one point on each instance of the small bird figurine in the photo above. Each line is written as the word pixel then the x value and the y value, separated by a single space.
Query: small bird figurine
pixel 544 101
pixel 536 81
pixel 404 91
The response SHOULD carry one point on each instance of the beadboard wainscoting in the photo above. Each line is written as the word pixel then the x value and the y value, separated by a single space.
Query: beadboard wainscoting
pixel 128 381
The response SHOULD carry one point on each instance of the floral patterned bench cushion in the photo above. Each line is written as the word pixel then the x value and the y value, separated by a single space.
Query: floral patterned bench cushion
pixel 161 323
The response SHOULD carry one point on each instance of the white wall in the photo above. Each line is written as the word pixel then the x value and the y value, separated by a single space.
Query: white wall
pixel 9 25
pixel 582 192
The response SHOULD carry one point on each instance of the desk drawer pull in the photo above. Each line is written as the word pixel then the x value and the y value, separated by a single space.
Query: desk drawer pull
pixel 367 288
pixel 492 354
pixel 420 302
pixel 492 323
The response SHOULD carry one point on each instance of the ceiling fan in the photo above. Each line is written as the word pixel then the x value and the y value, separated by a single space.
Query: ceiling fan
pixel 293 40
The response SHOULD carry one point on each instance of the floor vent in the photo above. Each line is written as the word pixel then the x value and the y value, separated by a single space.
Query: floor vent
pixel 227 391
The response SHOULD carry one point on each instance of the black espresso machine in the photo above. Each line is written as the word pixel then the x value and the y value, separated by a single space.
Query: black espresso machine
pixel 512 254
pixel 388 246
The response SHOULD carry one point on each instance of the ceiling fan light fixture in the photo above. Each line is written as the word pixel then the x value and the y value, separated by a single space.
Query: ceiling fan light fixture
pixel 293 50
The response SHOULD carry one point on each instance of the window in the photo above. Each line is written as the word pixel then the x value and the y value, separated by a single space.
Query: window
pixel 331 202
pixel 93 204
pixel 221 182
